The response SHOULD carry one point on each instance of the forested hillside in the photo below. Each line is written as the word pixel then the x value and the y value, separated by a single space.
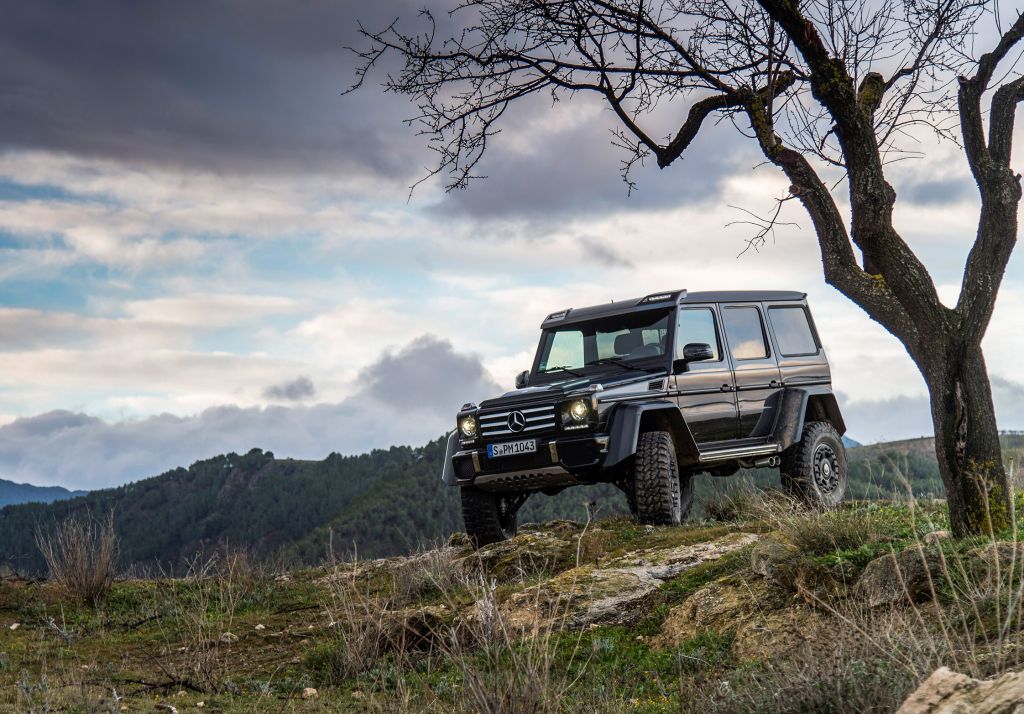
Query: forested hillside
pixel 385 502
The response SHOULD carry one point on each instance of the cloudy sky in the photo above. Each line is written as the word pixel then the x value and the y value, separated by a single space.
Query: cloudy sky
pixel 207 247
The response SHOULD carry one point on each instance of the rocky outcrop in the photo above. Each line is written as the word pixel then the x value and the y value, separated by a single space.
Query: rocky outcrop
pixel 791 570
pixel 616 592
pixel 948 692
pixel 907 576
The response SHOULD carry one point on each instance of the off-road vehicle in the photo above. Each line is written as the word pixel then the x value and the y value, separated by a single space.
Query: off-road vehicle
pixel 645 394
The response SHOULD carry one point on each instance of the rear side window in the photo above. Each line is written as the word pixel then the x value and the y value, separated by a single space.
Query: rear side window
pixel 793 331
pixel 745 332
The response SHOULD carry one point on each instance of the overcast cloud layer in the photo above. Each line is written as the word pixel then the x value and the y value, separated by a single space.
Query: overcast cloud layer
pixel 205 247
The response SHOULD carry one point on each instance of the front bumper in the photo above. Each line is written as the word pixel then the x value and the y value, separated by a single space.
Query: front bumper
pixel 557 462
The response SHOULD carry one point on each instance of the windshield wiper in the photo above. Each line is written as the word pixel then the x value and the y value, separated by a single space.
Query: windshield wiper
pixel 573 372
pixel 618 362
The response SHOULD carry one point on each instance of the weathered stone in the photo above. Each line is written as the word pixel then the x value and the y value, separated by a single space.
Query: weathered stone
pixel 762 618
pixel 228 638
pixel 937 537
pixel 996 560
pixel 421 628
pixel 524 555
pixel 310 693
pixel 618 593
pixel 948 692
pixel 906 576
pixel 777 561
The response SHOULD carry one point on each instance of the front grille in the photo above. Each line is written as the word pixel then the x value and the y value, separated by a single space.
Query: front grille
pixel 537 419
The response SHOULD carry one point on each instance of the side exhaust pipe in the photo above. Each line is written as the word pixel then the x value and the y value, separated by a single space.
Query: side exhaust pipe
pixel 770 462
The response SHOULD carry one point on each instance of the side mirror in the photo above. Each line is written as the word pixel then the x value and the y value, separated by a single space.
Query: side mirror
pixel 693 352
pixel 522 379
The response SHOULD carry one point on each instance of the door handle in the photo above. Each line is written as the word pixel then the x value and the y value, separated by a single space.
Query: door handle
pixel 726 387
pixel 775 383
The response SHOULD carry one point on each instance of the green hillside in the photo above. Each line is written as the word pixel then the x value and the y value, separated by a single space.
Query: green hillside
pixel 386 502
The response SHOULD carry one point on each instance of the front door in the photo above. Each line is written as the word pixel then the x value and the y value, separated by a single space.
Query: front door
pixel 704 391
pixel 758 382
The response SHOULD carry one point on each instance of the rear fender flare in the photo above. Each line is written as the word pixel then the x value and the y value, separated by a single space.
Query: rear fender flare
pixel 800 405
pixel 627 421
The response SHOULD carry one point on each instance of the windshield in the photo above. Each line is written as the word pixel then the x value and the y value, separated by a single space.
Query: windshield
pixel 632 341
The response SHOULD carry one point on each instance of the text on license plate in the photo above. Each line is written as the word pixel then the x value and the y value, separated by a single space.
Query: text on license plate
pixel 511 448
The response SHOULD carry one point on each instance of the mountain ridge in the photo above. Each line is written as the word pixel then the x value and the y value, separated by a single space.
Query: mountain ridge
pixel 382 503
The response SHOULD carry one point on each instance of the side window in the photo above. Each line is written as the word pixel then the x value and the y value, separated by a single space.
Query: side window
pixel 697 325
pixel 792 331
pixel 745 332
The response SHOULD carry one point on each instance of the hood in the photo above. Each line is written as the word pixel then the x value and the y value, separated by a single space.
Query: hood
pixel 554 391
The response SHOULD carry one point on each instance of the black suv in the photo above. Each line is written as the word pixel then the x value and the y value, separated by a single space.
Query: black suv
pixel 646 393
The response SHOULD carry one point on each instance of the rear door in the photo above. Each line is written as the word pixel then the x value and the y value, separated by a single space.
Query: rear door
pixel 801 358
pixel 704 392
pixel 757 378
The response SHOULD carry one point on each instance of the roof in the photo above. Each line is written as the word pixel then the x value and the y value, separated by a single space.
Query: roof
pixel 666 299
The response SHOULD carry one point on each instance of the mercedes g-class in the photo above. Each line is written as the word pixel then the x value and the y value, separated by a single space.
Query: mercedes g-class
pixel 647 393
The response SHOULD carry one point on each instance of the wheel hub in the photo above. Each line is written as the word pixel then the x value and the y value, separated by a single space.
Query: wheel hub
pixel 826 468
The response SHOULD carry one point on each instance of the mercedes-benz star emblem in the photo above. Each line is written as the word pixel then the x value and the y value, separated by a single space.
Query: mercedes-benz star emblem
pixel 516 421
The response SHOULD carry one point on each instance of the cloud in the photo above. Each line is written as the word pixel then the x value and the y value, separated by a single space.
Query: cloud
pixel 426 376
pixel 297 390
pixel 408 397
pixel 907 417
pixel 236 85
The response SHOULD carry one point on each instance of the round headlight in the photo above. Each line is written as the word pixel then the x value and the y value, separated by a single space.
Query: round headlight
pixel 467 427
pixel 579 410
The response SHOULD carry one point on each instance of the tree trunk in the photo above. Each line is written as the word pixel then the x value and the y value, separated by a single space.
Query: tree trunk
pixel 967 440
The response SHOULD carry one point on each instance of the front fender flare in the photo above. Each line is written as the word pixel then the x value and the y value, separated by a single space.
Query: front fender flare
pixel 448 471
pixel 628 420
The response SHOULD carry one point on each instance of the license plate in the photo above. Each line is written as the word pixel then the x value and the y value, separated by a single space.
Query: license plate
pixel 512 448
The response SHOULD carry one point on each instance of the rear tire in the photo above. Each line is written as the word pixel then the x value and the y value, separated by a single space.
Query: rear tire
pixel 662 497
pixel 814 470
pixel 489 517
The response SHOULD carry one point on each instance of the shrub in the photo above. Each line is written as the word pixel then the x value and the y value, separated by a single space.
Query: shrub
pixel 81 555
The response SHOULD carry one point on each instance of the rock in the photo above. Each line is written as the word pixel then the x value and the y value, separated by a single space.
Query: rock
pixel 524 555
pixel 459 541
pixel 228 638
pixel 616 594
pixel 776 561
pixel 764 621
pixel 904 577
pixel 937 537
pixel 421 628
pixel 310 693
pixel 790 569
pixel 260 628
pixel 163 706
pixel 15 626
pixel 997 559
pixel 948 692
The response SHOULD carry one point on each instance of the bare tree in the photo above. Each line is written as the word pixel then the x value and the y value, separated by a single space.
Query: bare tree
pixel 831 91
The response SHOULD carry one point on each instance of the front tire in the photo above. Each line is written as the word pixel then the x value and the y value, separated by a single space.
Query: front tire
pixel 662 496
pixel 814 470
pixel 489 517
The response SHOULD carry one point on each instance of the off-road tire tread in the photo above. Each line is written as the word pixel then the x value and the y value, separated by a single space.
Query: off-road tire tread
pixel 654 470
pixel 480 516
pixel 797 467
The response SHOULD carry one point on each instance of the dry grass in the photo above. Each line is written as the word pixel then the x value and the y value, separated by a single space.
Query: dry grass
pixel 81 555
pixel 198 612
